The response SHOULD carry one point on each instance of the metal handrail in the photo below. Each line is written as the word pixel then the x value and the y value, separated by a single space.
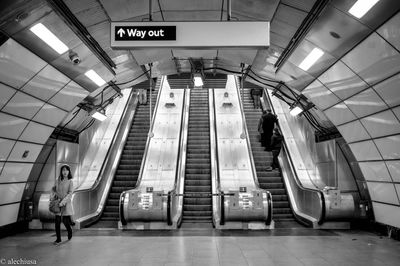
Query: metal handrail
pixel 105 162
pixel 250 151
pixel 146 150
pixel 296 179
pixel 122 196
pixel 214 151
pixel 181 161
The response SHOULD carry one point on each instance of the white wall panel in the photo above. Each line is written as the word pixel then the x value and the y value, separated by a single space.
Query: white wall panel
pixel 381 124
pixel 389 147
pixel 365 151
pixel 387 214
pixel 22 104
pixel 47 177
pixel 396 111
pixel 394 170
pixel 375 171
pixel 6 93
pixel 389 90
pixel 9 214
pixel 50 115
pixel 15 172
pixel 35 132
pixel 342 81
pixel 18 65
pixel 5 148
pixel 383 192
pixel 46 83
pixel 11 126
pixel 365 103
pixel 11 192
pixel 374 59
pixel 69 96
pixel 340 114
pixel 320 95
pixel 20 148
pixel 353 131
pixel 391 31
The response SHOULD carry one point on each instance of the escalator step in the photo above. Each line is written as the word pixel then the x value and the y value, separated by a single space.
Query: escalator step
pixel 196 207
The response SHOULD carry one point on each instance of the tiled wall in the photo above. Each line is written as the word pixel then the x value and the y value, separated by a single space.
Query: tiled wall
pixel 360 94
pixel 34 99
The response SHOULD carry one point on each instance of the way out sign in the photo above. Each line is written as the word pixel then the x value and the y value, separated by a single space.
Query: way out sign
pixel 145 33
pixel 191 35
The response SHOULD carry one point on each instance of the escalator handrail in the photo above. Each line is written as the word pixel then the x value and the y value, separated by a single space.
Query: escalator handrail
pixel 146 149
pixel 250 151
pixel 244 126
pixel 181 161
pixel 290 160
pixel 214 149
pixel 112 145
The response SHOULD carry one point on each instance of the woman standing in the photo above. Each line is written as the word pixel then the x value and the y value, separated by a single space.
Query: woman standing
pixel 63 189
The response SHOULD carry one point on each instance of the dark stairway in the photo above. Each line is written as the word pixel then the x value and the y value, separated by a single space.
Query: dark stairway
pixel 130 162
pixel 269 180
pixel 197 202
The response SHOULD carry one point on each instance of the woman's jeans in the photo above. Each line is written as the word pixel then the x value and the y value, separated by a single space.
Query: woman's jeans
pixel 67 223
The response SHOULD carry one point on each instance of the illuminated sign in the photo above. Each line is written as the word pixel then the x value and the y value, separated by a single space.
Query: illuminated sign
pixel 190 34
pixel 145 33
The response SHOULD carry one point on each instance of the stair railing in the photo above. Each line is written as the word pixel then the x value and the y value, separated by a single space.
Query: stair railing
pixel 174 201
pixel 250 151
pixel 142 165
pixel 218 198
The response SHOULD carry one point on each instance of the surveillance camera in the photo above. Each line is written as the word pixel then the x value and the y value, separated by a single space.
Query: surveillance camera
pixel 74 57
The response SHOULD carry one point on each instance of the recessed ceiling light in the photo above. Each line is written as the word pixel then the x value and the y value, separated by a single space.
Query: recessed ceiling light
pixel 311 58
pixel 361 7
pixel 95 77
pixel 49 38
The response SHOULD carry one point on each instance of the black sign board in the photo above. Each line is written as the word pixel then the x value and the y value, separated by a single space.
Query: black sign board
pixel 242 189
pixel 145 33
pixel 149 189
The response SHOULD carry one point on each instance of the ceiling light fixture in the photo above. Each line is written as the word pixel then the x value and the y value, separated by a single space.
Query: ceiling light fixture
pixel 311 58
pixel 296 110
pixel 49 38
pixel 361 7
pixel 95 77
pixel 198 80
pixel 99 115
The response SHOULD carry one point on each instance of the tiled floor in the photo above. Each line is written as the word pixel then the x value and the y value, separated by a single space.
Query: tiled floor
pixel 203 247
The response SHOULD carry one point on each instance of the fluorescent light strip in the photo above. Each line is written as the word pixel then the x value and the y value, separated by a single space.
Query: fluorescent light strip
pixel 311 58
pixel 49 38
pixel 295 111
pixel 198 81
pixel 95 77
pixel 99 116
pixel 361 7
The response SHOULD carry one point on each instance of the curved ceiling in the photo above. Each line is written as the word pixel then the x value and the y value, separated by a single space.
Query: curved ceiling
pixel 354 83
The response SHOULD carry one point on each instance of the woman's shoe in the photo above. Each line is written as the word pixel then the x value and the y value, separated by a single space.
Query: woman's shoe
pixel 57 242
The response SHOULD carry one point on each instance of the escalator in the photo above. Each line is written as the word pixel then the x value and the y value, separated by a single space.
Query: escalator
pixel 269 180
pixel 197 202
pixel 130 162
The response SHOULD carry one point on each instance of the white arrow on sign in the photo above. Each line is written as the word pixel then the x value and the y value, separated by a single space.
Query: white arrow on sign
pixel 121 32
